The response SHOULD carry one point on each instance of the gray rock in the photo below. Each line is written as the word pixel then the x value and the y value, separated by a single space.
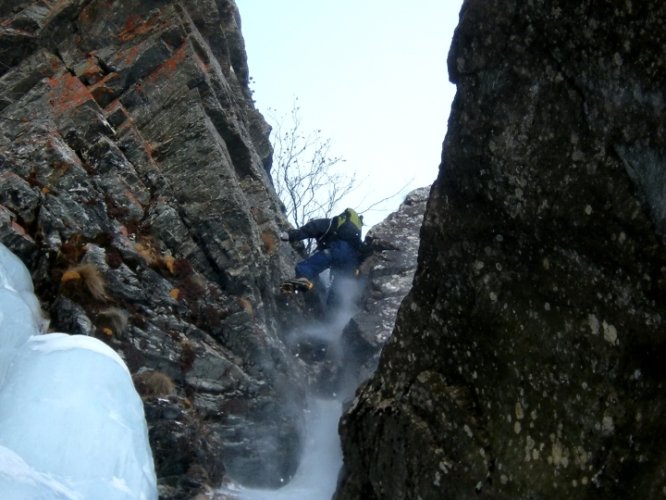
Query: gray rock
pixel 135 148
pixel 388 274
pixel 525 360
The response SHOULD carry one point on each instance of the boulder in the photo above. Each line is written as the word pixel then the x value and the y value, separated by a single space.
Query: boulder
pixel 526 360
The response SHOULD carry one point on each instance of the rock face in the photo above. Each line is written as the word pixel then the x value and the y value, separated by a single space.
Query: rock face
pixel 527 360
pixel 340 343
pixel 389 272
pixel 134 183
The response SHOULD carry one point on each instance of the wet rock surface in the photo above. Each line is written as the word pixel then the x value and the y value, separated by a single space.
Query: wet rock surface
pixel 526 361
pixel 134 183
pixel 387 275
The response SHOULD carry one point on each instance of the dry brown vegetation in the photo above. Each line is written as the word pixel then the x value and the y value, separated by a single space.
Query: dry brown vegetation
pixel 83 278
pixel 154 384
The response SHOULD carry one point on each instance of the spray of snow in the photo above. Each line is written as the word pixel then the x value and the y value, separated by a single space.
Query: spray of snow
pixel 321 458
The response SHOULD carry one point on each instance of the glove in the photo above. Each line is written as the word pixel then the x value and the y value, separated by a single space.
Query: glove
pixel 284 236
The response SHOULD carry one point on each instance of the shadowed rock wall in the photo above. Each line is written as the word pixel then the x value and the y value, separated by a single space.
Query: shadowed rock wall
pixel 133 182
pixel 527 360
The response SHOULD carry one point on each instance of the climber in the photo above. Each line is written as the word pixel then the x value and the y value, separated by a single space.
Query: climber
pixel 338 249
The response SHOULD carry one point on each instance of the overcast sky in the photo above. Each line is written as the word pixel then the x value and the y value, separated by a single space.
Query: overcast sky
pixel 370 74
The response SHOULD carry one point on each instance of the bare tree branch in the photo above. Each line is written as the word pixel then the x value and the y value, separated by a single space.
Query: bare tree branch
pixel 378 202
pixel 304 170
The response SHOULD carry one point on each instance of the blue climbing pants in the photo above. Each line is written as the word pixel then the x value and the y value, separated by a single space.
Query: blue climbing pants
pixel 340 256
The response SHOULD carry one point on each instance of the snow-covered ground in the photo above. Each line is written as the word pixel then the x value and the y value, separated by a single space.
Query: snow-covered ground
pixel 71 423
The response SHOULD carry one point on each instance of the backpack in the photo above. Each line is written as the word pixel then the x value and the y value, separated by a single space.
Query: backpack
pixel 347 226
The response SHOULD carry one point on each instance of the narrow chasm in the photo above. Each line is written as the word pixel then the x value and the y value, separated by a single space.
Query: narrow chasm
pixel 339 347
pixel 319 344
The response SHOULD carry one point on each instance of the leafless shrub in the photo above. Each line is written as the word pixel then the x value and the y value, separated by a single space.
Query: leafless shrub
pixel 306 173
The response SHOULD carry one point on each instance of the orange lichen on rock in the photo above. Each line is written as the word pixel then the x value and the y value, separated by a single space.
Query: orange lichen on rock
pixel 169 66
pixel 67 92
pixel 136 26
pixel 102 92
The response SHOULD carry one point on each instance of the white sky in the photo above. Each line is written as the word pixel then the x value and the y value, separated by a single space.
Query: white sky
pixel 370 74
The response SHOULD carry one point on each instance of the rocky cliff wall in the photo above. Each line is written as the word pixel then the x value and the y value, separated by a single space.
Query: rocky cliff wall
pixel 388 274
pixel 527 360
pixel 134 183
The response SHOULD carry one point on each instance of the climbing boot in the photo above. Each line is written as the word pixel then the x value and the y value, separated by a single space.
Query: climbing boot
pixel 296 285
